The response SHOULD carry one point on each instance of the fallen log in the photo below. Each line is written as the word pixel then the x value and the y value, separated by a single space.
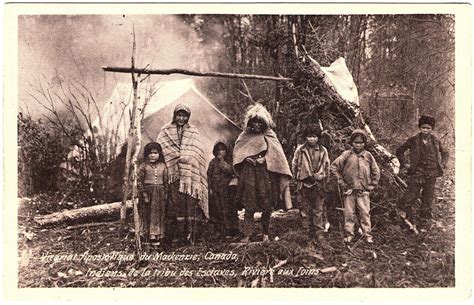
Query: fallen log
pixel 82 214
pixel 88 225
pixel 101 210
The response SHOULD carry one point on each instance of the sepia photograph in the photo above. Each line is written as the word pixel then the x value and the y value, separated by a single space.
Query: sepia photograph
pixel 237 150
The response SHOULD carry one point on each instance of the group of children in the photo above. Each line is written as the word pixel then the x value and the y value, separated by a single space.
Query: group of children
pixel 255 175
pixel 155 196
pixel 355 171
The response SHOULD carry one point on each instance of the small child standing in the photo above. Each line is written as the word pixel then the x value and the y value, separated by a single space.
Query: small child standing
pixel 222 210
pixel 427 160
pixel 357 174
pixel 152 180
pixel 310 166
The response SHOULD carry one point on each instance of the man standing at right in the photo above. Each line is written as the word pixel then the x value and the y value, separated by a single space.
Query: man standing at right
pixel 428 158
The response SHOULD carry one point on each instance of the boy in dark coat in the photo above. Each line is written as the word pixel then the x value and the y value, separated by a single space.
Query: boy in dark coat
pixel 428 158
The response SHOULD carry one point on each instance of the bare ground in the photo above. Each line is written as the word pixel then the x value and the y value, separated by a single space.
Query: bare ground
pixel 398 258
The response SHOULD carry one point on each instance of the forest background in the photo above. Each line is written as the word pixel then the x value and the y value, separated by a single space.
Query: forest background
pixel 402 65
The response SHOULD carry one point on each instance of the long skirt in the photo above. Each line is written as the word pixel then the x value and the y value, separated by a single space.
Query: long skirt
pixel 257 191
pixel 223 210
pixel 153 213
pixel 258 188
pixel 184 215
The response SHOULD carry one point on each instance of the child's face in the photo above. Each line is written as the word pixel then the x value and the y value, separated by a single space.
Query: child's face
pixel 358 144
pixel 312 139
pixel 426 129
pixel 221 153
pixel 153 156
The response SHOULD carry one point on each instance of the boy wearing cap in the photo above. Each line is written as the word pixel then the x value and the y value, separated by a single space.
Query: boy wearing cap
pixel 428 158
pixel 357 174
pixel 310 166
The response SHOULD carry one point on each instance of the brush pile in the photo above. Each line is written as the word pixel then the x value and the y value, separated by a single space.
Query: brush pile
pixel 311 99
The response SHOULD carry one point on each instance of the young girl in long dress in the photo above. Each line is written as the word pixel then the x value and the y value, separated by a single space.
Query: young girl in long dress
pixel 152 183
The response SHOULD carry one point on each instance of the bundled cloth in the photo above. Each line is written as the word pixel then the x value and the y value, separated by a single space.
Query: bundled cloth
pixel 250 144
pixel 185 161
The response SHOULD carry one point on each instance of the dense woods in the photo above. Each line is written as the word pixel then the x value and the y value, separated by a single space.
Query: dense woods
pixel 402 65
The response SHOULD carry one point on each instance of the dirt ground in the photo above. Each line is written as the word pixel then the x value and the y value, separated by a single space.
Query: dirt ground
pixel 98 256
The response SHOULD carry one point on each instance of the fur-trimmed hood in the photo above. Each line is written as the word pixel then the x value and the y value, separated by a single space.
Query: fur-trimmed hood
pixel 258 111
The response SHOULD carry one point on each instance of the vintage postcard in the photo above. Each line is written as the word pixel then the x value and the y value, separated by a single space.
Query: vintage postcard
pixel 237 150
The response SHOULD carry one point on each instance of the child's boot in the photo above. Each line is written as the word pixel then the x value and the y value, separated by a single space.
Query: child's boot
pixel 244 240
pixel 349 239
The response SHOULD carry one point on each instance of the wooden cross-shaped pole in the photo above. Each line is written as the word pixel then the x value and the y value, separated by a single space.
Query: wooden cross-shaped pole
pixel 135 125
pixel 133 133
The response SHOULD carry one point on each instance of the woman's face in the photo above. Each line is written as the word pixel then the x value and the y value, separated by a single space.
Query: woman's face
pixel 358 144
pixel 182 118
pixel 256 126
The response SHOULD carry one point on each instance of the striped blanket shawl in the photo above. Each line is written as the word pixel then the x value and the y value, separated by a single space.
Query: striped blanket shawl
pixel 185 162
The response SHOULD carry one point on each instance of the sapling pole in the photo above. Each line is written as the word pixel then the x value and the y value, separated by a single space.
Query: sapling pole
pixel 132 134
pixel 136 135
pixel 193 73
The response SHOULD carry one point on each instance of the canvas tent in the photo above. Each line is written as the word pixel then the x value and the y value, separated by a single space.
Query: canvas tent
pixel 161 99
pixel 160 102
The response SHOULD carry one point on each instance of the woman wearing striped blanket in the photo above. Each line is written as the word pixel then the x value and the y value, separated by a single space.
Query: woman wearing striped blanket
pixel 186 165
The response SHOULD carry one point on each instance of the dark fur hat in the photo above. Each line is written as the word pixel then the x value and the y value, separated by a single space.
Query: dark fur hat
pixel 358 133
pixel 153 145
pixel 312 129
pixel 426 119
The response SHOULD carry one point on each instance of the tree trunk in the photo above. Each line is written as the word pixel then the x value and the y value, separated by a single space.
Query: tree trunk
pixel 136 134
